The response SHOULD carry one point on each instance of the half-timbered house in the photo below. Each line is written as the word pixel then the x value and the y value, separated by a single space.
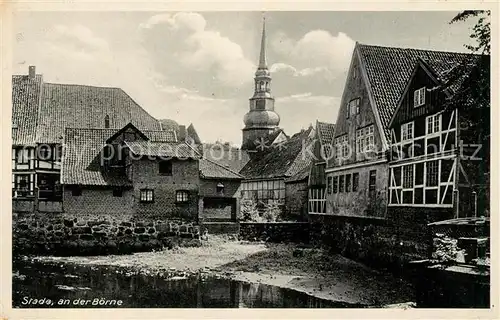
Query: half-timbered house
pixel 429 167
pixel 322 150
pixel 394 97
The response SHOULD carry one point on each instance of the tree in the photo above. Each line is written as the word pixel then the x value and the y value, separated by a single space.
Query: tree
pixel 481 31
pixel 469 81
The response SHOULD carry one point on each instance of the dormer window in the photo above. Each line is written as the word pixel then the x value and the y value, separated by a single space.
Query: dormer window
pixel 419 97
pixel 220 187
pixel 106 122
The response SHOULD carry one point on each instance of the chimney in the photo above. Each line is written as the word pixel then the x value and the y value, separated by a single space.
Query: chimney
pixel 32 72
pixel 181 137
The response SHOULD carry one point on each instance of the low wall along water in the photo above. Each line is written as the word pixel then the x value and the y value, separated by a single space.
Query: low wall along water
pixel 297 232
pixel 58 235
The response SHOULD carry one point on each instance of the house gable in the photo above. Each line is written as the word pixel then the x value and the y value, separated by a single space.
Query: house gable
pixel 347 124
pixel 127 133
pixel 422 77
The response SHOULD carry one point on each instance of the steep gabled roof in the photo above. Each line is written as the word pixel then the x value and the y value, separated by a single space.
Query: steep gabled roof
pixel 26 93
pixel 325 132
pixel 212 170
pixel 387 71
pixel 69 106
pixel 280 161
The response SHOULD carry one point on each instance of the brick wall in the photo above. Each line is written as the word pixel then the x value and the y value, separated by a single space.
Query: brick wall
pixel 185 176
pixel 208 188
pixel 296 197
pixel 97 201
pixel 359 203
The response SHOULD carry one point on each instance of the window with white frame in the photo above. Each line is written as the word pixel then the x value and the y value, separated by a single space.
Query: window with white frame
pixel 432 171
pixel 419 97
pixel 342 147
pixel 354 106
pixel 365 140
pixel 408 176
pixel 407 131
pixel 423 183
pixel 433 123
pixel 181 196
pixel 147 195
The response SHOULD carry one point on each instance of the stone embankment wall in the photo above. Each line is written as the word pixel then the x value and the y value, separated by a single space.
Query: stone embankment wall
pixel 297 232
pixel 71 235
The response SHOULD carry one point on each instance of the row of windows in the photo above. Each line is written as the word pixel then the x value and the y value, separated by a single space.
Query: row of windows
pixel 432 126
pixel 349 182
pixel 429 182
pixel 146 195
pixel 264 185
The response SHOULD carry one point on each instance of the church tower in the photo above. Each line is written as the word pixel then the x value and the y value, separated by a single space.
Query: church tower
pixel 261 120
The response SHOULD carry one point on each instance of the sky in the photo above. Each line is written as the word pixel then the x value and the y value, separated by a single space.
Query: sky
pixel 198 67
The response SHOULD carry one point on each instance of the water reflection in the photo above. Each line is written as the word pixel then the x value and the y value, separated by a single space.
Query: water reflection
pixel 75 284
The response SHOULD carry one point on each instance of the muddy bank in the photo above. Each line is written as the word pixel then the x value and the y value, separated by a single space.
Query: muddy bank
pixel 312 271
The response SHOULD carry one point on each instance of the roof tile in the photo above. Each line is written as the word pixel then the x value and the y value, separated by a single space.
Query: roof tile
pixel 388 70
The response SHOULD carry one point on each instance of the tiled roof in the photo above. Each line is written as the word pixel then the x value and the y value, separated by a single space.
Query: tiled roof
pixel 282 160
pixel 232 158
pixel 211 169
pixel 269 139
pixel 64 106
pixel 325 132
pixel 81 162
pixel 25 101
pixel 160 136
pixel 191 132
pixel 388 70
pixel 300 176
pixel 163 149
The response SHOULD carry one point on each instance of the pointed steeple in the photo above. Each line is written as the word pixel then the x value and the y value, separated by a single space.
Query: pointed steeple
pixel 262 59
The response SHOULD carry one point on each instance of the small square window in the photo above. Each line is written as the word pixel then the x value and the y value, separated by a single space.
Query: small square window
pixel 165 168
pixel 117 192
pixel 147 195
pixel 181 196
pixel 76 191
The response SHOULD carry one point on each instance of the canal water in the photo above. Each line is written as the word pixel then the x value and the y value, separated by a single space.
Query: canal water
pixel 42 285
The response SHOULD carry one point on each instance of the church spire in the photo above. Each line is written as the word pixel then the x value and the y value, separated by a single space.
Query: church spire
pixel 262 59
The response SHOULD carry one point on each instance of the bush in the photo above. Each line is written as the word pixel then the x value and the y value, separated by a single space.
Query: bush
pixel 445 248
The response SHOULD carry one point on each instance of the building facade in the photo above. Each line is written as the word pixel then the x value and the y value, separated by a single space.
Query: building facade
pixel 396 166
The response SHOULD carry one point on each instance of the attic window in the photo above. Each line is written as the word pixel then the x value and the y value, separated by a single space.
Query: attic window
pixel 419 97
pixel 220 187
pixel 106 122
pixel 353 107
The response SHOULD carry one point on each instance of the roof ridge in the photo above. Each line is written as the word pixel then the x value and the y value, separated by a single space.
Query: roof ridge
pixel 83 85
pixel 224 167
pixel 418 49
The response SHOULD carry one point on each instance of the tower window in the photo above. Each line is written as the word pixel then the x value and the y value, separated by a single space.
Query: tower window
pixel 106 121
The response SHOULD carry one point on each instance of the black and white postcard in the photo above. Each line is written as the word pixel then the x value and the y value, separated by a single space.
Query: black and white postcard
pixel 246 157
